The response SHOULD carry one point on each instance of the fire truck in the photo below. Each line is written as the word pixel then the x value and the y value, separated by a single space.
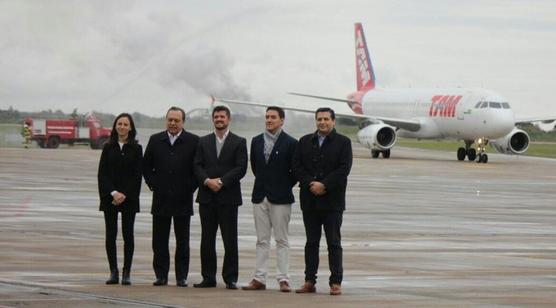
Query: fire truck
pixel 50 133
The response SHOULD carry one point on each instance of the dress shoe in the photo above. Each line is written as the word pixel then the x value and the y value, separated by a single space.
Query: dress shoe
pixel 307 287
pixel 285 286
pixel 231 286
pixel 205 284
pixel 181 283
pixel 114 277
pixel 335 289
pixel 160 282
pixel 126 279
pixel 254 285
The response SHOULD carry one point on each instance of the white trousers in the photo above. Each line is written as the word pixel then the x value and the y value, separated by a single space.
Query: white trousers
pixel 268 217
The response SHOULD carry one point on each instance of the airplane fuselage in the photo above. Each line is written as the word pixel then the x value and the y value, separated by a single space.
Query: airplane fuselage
pixel 452 113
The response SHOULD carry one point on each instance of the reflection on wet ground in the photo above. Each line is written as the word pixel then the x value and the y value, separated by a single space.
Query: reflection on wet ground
pixel 421 229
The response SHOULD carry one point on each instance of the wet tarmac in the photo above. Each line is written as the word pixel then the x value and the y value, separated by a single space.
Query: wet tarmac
pixel 421 229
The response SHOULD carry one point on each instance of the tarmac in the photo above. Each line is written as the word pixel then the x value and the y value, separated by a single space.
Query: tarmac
pixel 421 229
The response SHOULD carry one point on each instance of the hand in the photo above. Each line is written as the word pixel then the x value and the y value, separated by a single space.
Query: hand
pixel 118 198
pixel 317 188
pixel 213 185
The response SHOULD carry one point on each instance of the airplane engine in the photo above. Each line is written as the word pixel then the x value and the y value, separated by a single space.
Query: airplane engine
pixel 377 136
pixel 516 142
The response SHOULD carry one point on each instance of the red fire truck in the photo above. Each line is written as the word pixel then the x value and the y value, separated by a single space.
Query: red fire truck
pixel 49 133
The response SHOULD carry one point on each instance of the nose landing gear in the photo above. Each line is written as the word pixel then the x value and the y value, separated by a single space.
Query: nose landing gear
pixel 482 157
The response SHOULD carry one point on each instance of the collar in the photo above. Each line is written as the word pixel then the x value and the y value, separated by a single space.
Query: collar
pixel 223 138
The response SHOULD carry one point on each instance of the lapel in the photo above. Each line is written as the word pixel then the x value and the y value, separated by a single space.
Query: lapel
pixel 276 147
pixel 165 139
pixel 227 144
pixel 212 146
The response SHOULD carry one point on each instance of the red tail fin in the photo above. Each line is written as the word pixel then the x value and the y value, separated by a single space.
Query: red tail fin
pixel 363 65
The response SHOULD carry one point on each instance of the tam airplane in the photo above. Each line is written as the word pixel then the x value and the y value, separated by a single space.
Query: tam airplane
pixel 475 116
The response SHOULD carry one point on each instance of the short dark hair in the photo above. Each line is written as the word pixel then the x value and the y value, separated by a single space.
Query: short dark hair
pixel 174 108
pixel 326 109
pixel 132 132
pixel 280 111
pixel 221 108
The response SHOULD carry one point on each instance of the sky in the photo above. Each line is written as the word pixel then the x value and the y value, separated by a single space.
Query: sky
pixel 145 56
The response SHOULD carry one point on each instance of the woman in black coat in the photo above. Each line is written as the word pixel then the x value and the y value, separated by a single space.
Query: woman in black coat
pixel 119 185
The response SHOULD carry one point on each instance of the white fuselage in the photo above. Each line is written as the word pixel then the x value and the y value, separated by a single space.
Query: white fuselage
pixel 453 113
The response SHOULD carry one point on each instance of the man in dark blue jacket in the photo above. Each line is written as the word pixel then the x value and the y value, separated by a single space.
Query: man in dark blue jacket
pixel 321 163
pixel 271 162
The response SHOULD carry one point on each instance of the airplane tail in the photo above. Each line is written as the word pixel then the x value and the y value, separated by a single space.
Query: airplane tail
pixel 363 65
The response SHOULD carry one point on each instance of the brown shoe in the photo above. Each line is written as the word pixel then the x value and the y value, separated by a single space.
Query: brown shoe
pixel 285 286
pixel 254 285
pixel 307 287
pixel 335 289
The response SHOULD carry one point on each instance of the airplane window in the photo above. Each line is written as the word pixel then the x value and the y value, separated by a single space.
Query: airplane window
pixel 478 104
pixel 506 106
pixel 484 105
pixel 495 105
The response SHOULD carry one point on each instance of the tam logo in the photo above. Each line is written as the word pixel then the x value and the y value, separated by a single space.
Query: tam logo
pixel 444 105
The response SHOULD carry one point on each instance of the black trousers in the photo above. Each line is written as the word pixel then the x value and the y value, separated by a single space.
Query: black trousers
pixel 111 223
pixel 212 216
pixel 332 222
pixel 161 237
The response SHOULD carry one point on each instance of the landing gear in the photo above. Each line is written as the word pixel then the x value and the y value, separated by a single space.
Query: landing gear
pixel 376 153
pixel 471 153
pixel 467 151
pixel 482 157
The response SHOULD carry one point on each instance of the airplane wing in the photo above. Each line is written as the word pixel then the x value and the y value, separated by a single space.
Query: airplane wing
pixel 411 125
pixel 545 120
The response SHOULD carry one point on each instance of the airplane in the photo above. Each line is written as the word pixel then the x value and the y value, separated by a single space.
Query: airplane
pixel 475 116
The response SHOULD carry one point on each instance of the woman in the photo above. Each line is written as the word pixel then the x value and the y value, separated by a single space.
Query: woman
pixel 119 185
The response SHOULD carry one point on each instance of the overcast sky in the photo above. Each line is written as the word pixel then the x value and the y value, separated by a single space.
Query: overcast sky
pixel 116 56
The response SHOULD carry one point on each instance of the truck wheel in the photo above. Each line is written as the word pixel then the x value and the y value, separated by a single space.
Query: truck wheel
pixel 41 143
pixel 53 142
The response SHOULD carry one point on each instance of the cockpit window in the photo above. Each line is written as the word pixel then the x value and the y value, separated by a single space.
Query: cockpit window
pixel 484 105
pixel 478 105
pixel 495 105
pixel 506 106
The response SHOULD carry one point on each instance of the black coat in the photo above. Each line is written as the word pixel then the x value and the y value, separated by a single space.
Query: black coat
pixel 329 164
pixel 120 170
pixel 273 180
pixel 230 167
pixel 168 171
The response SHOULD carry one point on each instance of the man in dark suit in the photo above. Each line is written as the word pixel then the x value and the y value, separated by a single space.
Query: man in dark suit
pixel 220 163
pixel 271 163
pixel 168 171
pixel 321 163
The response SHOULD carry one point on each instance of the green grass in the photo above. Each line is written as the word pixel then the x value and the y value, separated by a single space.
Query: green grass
pixel 535 149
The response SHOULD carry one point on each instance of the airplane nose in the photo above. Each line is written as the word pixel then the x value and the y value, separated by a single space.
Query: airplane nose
pixel 502 121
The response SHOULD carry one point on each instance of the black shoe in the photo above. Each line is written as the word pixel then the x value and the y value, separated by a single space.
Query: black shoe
pixel 126 279
pixel 181 283
pixel 205 284
pixel 114 279
pixel 231 286
pixel 160 282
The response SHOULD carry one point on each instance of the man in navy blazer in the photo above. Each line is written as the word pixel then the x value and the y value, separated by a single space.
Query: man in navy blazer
pixel 271 163
pixel 168 171
pixel 220 163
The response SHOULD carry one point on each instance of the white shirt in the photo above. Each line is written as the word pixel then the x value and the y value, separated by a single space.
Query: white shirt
pixel 172 137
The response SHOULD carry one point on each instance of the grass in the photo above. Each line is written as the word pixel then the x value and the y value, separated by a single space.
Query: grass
pixel 535 149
